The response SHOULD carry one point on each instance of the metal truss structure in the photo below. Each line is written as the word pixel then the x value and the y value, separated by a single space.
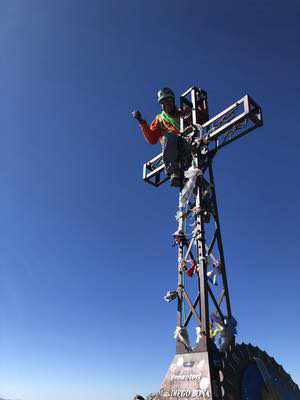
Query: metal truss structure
pixel 201 265
pixel 202 293
pixel 213 366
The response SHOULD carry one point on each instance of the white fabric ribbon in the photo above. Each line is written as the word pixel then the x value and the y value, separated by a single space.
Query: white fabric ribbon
pixel 192 173
pixel 181 334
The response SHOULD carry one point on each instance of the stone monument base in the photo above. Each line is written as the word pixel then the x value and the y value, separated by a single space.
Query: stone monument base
pixel 188 377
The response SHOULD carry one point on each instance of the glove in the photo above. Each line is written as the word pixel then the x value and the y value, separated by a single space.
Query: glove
pixel 137 115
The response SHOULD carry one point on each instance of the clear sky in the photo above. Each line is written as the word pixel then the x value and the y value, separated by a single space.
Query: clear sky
pixel 85 245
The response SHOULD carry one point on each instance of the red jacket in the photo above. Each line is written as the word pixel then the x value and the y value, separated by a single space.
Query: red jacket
pixel 157 129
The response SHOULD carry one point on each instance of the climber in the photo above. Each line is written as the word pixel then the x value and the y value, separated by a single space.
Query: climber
pixel 166 129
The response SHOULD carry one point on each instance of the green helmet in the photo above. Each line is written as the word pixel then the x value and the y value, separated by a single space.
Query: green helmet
pixel 165 93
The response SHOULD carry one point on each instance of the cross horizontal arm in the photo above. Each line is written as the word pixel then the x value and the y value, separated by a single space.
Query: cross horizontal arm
pixel 154 171
pixel 235 121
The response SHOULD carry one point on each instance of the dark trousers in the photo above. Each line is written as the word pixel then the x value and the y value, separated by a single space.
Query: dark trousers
pixel 176 154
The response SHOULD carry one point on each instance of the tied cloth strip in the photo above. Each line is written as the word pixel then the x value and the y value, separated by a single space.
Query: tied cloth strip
pixel 192 173
pixel 214 273
pixel 216 325
pixel 181 334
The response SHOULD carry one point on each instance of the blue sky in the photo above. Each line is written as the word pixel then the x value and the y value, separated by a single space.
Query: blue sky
pixel 85 245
